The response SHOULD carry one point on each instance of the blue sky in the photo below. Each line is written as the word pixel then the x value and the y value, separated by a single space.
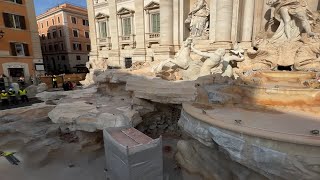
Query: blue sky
pixel 42 5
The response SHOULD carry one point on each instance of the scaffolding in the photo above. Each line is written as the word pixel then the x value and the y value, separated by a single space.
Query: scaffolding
pixel 131 155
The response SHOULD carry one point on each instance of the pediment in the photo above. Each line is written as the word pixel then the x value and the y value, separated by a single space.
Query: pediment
pixel 124 11
pixel 101 16
pixel 152 5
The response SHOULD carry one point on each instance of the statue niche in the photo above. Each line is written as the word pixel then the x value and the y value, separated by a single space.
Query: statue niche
pixel 293 43
pixel 198 20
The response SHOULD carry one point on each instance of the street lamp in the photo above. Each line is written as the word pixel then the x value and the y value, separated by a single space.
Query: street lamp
pixel 1 34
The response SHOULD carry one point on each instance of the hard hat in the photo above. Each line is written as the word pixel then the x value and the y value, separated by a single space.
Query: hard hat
pixel 54 76
pixel 10 89
pixel 3 90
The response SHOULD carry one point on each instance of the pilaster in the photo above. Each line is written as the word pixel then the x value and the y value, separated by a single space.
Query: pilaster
pixel 224 13
pixel 114 53
pixel 139 54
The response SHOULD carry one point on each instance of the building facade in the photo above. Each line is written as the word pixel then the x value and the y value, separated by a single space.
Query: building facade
pixel 20 52
pixel 65 39
pixel 128 31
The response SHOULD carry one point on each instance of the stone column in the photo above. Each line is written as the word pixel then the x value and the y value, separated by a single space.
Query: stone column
pixel 166 49
pixel 223 26
pixel 247 20
pixel 166 21
pixel 184 8
pixel 258 18
pixel 176 27
pixel 93 31
pixel 114 53
pixel 140 50
pixel 213 20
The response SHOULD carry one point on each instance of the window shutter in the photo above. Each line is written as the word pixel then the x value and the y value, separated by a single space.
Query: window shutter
pixel 80 48
pixel 22 22
pixel 13 49
pixel 26 50
pixel 158 23
pixel 8 20
pixel 129 26
pixel 154 23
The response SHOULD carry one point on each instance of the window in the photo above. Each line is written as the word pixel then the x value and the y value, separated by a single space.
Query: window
pixel 75 33
pixel 41 25
pixel 86 34
pixel 61 46
pixel 56 47
pixel 45 48
pixel 52 21
pixel 88 47
pixel 54 34
pixel 17 1
pixel 85 22
pixel 63 58
pixel 43 36
pixel 60 32
pixel 49 35
pixel 78 58
pixel 58 19
pixel 126 24
pixel 128 62
pixel 47 24
pixel 77 47
pixel 14 21
pixel 19 49
pixel 74 20
pixel 155 23
pixel 50 47
pixel 103 29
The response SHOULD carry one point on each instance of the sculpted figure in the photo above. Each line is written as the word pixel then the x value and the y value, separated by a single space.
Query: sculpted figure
pixel 199 19
pixel 182 59
pixel 228 61
pixel 213 61
pixel 285 11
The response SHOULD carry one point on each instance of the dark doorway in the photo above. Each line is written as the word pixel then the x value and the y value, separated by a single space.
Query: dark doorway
pixel 128 62
pixel 16 72
pixel 285 68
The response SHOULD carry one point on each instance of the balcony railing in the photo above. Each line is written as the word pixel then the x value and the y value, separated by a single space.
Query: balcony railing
pixel 152 38
pixel 153 35
pixel 105 42
pixel 127 40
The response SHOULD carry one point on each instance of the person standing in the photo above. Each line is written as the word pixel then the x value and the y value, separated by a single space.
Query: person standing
pixel 4 98
pixel 10 157
pixel 54 81
pixel 12 95
pixel 23 95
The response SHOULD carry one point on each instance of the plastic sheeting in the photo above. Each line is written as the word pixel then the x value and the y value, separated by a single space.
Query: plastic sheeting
pixel 129 159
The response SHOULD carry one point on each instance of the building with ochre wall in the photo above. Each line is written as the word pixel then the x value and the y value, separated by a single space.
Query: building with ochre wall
pixel 65 38
pixel 20 52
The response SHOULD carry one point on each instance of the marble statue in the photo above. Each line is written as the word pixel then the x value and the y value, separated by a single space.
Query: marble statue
pixel 213 60
pixel 290 13
pixel 228 61
pixel 218 58
pixel 198 20
pixel 295 42
pixel 181 60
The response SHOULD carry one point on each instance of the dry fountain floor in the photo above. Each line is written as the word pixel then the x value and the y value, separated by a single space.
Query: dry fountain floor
pixel 285 125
